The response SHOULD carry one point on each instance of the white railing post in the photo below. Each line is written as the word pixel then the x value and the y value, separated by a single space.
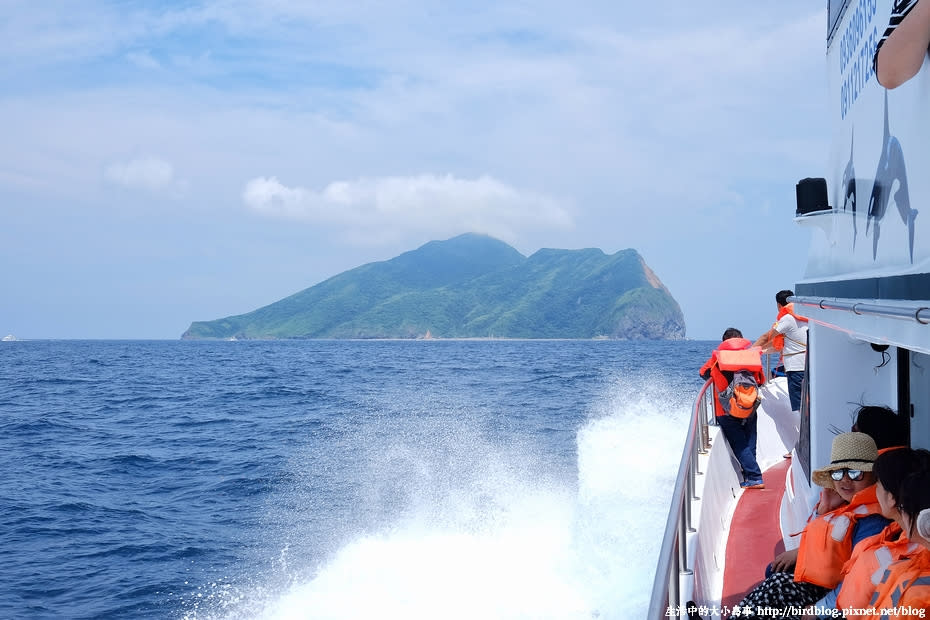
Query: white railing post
pixel 673 554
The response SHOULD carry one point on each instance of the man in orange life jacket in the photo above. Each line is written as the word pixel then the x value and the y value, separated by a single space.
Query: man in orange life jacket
pixel 739 432
pixel 789 337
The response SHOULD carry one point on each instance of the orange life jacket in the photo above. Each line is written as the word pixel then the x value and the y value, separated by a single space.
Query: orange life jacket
pixel 826 542
pixel 778 341
pixel 741 397
pixel 732 345
pixel 866 567
pixel 905 586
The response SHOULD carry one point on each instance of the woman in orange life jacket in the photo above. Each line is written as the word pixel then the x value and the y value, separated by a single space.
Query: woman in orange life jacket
pixel 882 424
pixel 788 336
pixel 739 433
pixel 870 557
pixel 827 540
pixel 905 584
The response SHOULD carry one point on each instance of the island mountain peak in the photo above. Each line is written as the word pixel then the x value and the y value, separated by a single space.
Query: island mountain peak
pixel 472 286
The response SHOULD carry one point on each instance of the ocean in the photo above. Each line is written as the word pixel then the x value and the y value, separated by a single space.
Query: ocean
pixel 338 479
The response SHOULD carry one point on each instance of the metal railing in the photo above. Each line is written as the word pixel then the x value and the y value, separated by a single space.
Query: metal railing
pixel 913 311
pixel 673 554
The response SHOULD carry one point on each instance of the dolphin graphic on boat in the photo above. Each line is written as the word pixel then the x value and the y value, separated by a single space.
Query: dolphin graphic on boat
pixel 849 187
pixel 891 170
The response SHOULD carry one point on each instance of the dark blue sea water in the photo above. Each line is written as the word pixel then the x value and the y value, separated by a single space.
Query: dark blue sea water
pixel 389 479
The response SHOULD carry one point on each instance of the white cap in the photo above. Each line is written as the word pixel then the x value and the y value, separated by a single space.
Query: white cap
pixel 923 523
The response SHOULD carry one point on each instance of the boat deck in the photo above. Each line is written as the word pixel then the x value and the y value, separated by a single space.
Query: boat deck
pixel 755 536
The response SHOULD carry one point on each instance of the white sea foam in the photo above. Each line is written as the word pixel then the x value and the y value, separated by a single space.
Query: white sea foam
pixel 485 531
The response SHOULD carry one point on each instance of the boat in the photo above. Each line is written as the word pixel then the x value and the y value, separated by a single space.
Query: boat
pixel 8 338
pixel 866 293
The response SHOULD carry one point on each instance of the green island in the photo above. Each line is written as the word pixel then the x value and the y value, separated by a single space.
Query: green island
pixel 471 286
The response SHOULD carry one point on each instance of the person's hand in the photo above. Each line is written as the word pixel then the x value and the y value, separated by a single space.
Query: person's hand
pixel 829 501
pixel 784 562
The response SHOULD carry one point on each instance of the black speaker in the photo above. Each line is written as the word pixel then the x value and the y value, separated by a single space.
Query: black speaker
pixel 812 196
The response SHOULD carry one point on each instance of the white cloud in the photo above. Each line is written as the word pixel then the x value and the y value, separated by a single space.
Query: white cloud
pixel 143 60
pixel 147 173
pixel 380 209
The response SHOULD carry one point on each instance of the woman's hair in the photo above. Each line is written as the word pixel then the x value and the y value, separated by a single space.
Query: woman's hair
pixel 914 496
pixel 882 424
pixel 893 467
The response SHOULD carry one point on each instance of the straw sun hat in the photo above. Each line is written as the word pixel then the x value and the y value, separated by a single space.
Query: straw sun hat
pixel 849 451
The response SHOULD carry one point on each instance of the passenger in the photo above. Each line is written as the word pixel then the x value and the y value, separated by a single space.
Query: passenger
pixel 905 584
pixel 901 50
pixel 740 433
pixel 882 424
pixel 828 540
pixel 862 573
pixel 788 336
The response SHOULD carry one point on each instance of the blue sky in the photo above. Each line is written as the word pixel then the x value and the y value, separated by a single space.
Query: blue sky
pixel 168 162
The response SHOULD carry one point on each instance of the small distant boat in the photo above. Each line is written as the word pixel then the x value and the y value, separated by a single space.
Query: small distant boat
pixel 8 338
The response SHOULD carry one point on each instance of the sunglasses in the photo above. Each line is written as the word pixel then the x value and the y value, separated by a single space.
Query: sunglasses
pixel 854 474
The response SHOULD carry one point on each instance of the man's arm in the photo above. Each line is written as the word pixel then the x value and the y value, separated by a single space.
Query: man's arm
pixel 765 340
pixel 901 54
pixel 704 372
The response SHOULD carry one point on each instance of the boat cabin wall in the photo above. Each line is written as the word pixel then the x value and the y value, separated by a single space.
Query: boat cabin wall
pixel 844 374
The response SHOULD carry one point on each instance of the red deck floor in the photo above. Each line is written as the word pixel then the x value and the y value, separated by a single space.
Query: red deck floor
pixel 755 536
